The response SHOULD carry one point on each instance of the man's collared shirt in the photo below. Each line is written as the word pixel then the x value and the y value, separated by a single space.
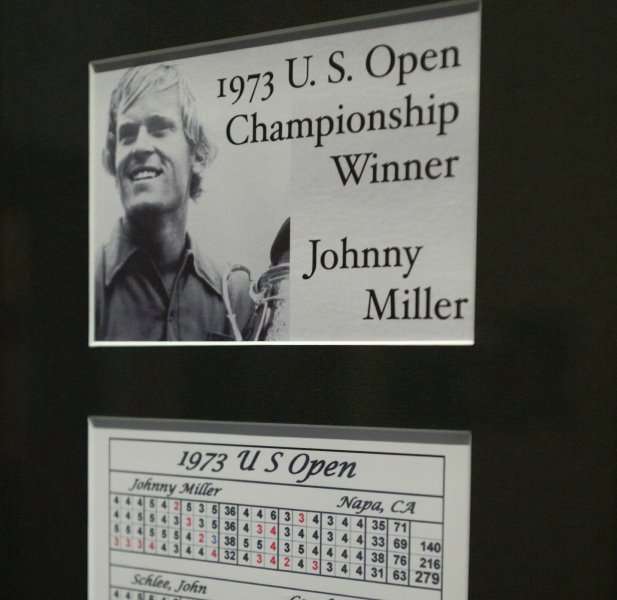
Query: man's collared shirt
pixel 132 302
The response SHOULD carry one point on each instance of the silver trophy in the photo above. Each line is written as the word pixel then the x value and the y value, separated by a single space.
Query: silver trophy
pixel 270 293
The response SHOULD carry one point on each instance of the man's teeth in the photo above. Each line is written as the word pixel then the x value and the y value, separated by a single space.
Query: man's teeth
pixel 141 174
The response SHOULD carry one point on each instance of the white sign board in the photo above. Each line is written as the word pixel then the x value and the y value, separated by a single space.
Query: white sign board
pixel 363 133
pixel 182 510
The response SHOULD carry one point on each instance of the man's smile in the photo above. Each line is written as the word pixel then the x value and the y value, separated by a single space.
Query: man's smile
pixel 143 173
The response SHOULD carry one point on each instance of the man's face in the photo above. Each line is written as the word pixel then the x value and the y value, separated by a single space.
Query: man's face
pixel 154 162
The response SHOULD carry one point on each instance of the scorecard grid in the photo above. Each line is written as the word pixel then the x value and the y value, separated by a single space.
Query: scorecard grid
pixel 341 545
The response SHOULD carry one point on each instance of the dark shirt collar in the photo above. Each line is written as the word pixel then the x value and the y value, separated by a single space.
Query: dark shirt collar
pixel 121 248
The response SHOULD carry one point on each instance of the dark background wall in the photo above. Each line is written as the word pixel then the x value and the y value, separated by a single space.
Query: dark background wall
pixel 538 390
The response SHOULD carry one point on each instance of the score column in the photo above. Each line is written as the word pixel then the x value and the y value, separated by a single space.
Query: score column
pixel 426 555
pixel 228 534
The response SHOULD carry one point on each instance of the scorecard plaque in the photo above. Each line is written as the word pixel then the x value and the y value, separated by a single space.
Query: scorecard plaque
pixel 182 510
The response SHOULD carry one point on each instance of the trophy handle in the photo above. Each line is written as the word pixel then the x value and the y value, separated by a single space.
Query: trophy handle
pixel 227 300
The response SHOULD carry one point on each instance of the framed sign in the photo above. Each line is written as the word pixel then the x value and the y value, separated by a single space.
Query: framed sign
pixel 314 185
pixel 537 388
pixel 186 510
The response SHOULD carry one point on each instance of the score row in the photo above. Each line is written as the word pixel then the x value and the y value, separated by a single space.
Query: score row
pixel 386 550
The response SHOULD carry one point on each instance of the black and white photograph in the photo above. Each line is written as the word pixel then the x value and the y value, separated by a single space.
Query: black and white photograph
pixel 154 281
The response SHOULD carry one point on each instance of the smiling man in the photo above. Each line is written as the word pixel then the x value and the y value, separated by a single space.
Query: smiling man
pixel 152 282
